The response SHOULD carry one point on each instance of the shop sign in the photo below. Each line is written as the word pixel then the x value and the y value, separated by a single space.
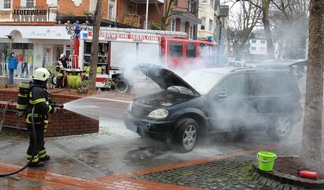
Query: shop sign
pixel 30 14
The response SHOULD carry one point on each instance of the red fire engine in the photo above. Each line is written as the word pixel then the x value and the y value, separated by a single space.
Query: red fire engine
pixel 120 49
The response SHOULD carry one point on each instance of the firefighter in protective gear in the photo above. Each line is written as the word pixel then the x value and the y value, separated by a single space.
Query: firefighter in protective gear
pixel 60 71
pixel 38 99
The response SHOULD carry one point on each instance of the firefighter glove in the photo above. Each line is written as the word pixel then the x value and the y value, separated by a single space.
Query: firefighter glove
pixel 53 110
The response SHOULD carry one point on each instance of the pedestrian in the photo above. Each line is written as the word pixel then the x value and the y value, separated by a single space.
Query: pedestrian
pixel 12 66
pixel 20 70
pixel 39 101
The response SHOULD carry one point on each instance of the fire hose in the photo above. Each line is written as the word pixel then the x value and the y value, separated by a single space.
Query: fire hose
pixel 33 131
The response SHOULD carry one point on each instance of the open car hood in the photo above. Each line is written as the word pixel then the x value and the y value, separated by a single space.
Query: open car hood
pixel 164 77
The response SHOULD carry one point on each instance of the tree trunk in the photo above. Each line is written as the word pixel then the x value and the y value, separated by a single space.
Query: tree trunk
pixel 310 152
pixel 94 47
pixel 267 30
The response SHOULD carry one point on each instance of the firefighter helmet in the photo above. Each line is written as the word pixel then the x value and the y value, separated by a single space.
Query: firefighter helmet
pixel 62 55
pixel 41 74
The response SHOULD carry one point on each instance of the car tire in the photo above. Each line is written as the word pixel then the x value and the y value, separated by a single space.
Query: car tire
pixel 186 134
pixel 122 86
pixel 281 129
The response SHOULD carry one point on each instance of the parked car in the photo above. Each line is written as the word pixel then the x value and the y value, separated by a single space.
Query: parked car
pixel 223 100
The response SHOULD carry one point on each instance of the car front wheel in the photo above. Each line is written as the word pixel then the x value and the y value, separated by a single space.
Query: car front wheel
pixel 281 129
pixel 186 135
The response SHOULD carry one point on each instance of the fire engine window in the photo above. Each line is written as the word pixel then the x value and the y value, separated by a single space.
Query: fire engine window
pixel 176 49
pixel 191 50
pixel 205 50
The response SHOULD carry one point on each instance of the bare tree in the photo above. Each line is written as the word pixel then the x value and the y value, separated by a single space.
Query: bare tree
pixel 310 152
pixel 264 5
pixel 165 15
pixel 241 30
pixel 94 46
pixel 289 21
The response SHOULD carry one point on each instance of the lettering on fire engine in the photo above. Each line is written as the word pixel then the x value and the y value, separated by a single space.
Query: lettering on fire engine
pixel 135 37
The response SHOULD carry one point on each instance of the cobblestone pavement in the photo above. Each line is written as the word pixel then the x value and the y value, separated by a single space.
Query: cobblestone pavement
pixel 230 173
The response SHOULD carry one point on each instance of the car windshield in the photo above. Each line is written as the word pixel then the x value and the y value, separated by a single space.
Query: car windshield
pixel 203 80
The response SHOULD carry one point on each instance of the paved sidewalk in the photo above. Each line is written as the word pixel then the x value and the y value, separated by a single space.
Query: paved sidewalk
pixel 226 171
pixel 118 159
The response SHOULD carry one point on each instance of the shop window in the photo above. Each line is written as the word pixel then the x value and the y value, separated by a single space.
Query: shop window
pixel 22 46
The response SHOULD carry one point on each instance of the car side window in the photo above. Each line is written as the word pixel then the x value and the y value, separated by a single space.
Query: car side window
pixel 268 84
pixel 233 85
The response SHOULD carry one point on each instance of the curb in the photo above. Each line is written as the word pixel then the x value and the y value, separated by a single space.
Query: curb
pixel 289 179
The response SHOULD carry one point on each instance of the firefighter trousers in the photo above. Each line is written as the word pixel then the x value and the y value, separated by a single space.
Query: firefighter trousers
pixel 40 151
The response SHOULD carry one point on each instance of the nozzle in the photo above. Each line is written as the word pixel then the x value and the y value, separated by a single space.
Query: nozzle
pixel 57 105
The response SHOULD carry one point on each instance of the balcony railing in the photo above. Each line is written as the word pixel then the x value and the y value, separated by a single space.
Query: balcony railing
pixel 132 20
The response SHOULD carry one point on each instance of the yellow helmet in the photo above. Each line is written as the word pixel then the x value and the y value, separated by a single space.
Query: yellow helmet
pixel 41 74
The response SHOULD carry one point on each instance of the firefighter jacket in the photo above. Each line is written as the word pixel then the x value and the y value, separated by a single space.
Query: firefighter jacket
pixel 59 69
pixel 38 98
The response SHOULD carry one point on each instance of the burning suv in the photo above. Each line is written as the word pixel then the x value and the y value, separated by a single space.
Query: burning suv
pixel 226 100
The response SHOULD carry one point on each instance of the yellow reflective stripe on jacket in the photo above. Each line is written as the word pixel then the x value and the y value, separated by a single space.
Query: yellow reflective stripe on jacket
pixel 40 100
pixel 28 118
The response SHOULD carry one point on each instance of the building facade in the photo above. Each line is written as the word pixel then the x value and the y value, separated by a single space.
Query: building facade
pixel 43 29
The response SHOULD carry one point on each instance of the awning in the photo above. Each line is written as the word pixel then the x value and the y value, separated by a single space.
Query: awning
pixel 186 17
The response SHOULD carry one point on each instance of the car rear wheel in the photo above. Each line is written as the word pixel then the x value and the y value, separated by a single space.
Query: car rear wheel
pixel 186 135
pixel 281 129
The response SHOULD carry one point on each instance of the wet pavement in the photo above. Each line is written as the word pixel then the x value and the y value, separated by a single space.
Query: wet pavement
pixel 116 158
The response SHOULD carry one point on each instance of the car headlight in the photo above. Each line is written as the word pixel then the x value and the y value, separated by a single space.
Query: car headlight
pixel 130 105
pixel 158 114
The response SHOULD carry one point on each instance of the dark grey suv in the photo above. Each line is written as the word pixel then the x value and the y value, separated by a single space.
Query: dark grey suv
pixel 225 100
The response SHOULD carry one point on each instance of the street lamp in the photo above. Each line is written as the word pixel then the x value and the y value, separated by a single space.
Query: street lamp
pixel 146 14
